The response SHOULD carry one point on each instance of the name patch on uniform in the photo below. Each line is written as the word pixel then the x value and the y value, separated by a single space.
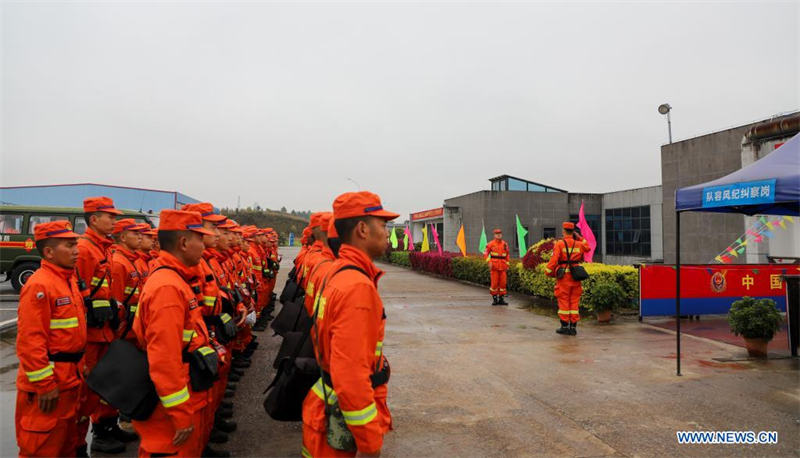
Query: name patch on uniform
pixel 192 303
pixel 63 301
pixel 40 295
pixel 134 275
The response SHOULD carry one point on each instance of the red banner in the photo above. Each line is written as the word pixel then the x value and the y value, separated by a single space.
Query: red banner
pixel 710 289
pixel 427 214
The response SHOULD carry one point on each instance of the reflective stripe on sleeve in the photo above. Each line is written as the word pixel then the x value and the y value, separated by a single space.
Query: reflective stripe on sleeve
pixel 174 399
pixel 361 417
pixel 64 323
pixel 205 350
pixel 209 301
pixel 41 374
pixel 305 453
pixel 100 303
pixel 225 318
pixel 317 389
pixel 188 334
pixel 378 348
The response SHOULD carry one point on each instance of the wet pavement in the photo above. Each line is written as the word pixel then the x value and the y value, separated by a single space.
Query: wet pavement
pixel 469 379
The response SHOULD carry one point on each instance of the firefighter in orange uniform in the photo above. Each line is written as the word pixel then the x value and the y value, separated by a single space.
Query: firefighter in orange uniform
pixel 145 249
pixel 51 339
pixel 320 264
pixel 126 280
pixel 567 252
pixel 94 279
pixel 169 324
pixel 497 255
pixel 350 325
pixel 306 240
pixel 319 228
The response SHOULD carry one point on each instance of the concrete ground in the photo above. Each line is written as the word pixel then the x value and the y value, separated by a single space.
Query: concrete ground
pixel 469 379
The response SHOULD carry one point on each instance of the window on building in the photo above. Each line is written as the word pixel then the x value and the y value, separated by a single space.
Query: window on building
pixel 503 185
pixel 11 224
pixel 549 233
pixel 517 185
pixel 628 231
pixel 38 219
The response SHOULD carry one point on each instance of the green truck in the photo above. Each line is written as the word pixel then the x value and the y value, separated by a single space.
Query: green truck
pixel 18 255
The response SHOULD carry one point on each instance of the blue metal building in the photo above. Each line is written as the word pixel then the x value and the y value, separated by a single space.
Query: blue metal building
pixel 72 195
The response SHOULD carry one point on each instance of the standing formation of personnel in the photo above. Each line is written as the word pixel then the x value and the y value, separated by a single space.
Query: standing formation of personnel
pixel 187 294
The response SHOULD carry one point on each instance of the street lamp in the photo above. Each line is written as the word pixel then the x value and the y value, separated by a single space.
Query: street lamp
pixel 355 183
pixel 664 109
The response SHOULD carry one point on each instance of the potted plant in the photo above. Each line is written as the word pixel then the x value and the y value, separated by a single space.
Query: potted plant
pixel 604 298
pixel 757 321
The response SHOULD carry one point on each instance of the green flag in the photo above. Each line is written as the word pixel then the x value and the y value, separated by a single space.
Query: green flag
pixel 405 242
pixel 393 238
pixel 521 233
pixel 482 245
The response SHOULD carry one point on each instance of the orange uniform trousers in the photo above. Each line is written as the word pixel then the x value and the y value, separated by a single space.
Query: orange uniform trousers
pixel 568 292
pixel 498 285
pixel 158 431
pixel 47 434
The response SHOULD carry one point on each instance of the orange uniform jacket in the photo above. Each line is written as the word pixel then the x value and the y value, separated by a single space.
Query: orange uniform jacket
pixel 168 321
pixel 322 264
pixel 52 319
pixel 351 328
pixel 93 267
pixel 576 248
pixel 309 261
pixel 497 254
pixel 143 265
pixel 125 280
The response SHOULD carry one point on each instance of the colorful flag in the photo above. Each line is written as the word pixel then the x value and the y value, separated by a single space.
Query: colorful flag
pixel 483 242
pixel 768 234
pixel 461 241
pixel 291 238
pixel 789 218
pixel 587 233
pixel 410 239
pixel 393 238
pixel 405 241
pixel 426 246
pixel 782 223
pixel 521 233
pixel 436 238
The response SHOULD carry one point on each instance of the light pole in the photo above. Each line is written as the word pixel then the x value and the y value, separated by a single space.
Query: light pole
pixel 664 109
pixel 355 183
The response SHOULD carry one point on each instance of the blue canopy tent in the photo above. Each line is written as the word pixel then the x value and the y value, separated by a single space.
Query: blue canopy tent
pixel 769 186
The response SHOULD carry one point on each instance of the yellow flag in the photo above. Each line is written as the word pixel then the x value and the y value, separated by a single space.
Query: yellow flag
pixel 783 224
pixel 461 241
pixel 425 244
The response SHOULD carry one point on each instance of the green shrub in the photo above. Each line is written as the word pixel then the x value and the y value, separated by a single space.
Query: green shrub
pixel 603 294
pixel 755 318
pixel 401 258
pixel 474 269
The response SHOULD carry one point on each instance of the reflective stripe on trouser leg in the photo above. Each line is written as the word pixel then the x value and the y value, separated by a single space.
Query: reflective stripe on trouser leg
pixel 574 303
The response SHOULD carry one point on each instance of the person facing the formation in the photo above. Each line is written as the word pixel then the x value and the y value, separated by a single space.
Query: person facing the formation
pixel 498 255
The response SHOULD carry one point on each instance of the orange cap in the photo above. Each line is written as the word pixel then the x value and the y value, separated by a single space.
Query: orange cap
pixel 320 219
pixel 125 224
pixel 206 210
pixel 227 224
pixel 99 204
pixel 332 234
pixel 54 230
pixel 498 231
pixel 568 225
pixel 362 203
pixel 181 220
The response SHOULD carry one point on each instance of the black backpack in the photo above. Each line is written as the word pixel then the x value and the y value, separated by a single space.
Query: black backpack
pixel 296 374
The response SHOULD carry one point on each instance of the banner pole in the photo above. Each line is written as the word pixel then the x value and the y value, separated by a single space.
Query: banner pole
pixel 678 288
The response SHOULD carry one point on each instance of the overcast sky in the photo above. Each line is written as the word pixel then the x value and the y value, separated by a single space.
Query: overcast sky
pixel 281 103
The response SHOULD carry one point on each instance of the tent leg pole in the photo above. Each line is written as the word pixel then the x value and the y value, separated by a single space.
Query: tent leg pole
pixel 678 289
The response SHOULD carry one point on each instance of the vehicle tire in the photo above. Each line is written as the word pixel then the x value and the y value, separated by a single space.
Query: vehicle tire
pixel 20 274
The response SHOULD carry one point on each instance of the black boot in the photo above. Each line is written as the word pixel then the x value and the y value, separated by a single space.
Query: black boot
pixel 217 437
pixel 229 394
pixel 564 329
pixel 494 300
pixel 80 452
pixel 209 452
pixel 226 404
pixel 103 440
pixel 573 329
pixel 234 377
pixel 226 426
pixel 225 412
pixel 502 301
pixel 119 433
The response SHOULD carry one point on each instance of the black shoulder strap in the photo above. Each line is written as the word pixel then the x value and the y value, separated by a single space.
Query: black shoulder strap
pixel 186 347
pixel 100 283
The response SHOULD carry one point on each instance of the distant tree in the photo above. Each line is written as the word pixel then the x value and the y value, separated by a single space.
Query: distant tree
pixel 283 210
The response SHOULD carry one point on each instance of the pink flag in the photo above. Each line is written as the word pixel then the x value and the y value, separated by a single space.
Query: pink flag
pixel 587 233
pixel 407 231
pixel 436 238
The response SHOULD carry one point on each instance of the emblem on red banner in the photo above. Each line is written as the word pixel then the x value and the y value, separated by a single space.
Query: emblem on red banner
pixel 718 283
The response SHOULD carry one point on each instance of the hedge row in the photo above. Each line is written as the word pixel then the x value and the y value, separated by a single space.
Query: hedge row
pixel 534 282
